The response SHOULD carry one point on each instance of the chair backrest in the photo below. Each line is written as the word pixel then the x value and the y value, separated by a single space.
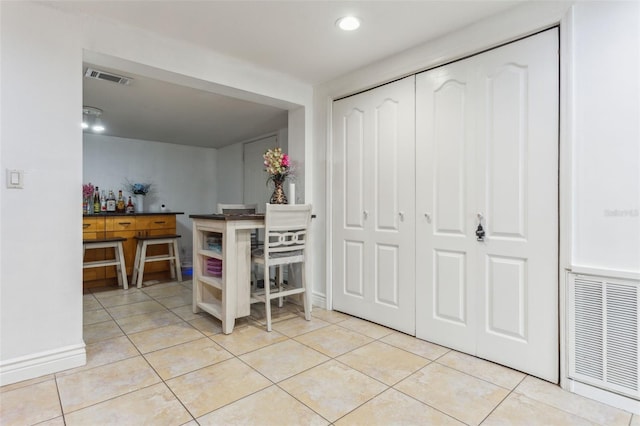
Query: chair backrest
pixel 236 208
pixel 286 229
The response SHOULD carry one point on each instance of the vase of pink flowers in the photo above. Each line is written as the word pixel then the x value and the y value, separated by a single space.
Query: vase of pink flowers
pixel 87 198
pixel 278 167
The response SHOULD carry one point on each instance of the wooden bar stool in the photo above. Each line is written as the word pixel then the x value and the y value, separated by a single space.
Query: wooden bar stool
pixel 141 256
pixel 117 261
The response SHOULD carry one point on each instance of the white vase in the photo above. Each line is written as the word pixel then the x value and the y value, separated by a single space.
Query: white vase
pixel 139 203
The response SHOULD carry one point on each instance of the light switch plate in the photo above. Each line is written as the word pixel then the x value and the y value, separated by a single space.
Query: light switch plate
pixel 15 179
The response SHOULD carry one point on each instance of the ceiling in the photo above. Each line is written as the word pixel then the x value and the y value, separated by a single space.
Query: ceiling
pixel 295 38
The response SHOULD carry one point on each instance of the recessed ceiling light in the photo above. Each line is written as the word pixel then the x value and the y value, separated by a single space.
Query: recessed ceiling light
pixel 348 23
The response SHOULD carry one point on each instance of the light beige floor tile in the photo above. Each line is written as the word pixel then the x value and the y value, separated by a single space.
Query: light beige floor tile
pixel 283 360
pixel 589 409
pixel 186 313
pixel 210 388
pixel 247 339
pixel 635 421
pixel 58 421
pixel 137 323
pixel 18 385
pixel 99 384
pixel 494 373
pixel 121 297
pixel 154 284
pixel 459 395
pixel 383 362
pixel 95 316
pixel 31 404
pixel 168 290
pixel 367 328
pixel 207 325
pixel 417 346
pixel 187 357
pixel 517 409
pixel 298 325
pixel 288 311
pixel 183 299
pixel 164 337
pixel 329 316
pixel 90 303
pixel 332 389
pixel 395 408
pixel 333 340
pixel 269 407
pixel 154 405
pixel 105 352
pixel 137 308
pixel 101 331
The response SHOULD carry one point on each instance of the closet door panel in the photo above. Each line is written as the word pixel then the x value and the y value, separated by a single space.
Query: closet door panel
pixel 373 205
pixel 518 180
pixel 445 158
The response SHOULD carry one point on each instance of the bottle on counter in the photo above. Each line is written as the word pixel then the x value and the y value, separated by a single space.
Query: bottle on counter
pixel 103 202
pixel 96 201
pixel 120 206
pixel 130 208
pixel 111 202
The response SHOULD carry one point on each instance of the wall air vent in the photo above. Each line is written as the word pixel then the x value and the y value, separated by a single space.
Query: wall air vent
pixel 603 333
pixel 107 76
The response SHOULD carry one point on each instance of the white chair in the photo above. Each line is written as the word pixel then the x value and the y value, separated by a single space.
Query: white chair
pixel 241 209
pixel 237 208
pixel 285 243
pixel 171 241
pixel 117 261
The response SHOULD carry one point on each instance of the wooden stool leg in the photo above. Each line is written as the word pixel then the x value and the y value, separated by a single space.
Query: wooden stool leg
pixel 122 268
pixel 176 253
pixel 267 298
pixel 172 263
pixel 116 255
pixel 136 263
pixel 141 262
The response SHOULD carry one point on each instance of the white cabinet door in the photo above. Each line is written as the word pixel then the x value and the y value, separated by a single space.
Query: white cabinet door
pixel 373 205
pixel 487 136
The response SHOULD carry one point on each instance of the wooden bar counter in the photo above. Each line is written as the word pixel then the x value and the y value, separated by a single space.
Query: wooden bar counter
pixel 111 225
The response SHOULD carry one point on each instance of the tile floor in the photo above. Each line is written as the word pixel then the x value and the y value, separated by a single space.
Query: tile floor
pixel 151 361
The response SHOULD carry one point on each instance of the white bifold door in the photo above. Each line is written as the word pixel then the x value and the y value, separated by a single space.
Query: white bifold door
pixel 487 155
pixel 373 206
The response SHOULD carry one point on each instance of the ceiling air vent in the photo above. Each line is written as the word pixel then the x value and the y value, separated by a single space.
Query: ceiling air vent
pixel 107 76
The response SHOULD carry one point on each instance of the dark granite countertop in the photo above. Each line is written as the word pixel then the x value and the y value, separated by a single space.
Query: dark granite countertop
pixel 129 214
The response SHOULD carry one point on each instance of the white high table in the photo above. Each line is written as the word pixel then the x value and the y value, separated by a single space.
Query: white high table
pixel 226 297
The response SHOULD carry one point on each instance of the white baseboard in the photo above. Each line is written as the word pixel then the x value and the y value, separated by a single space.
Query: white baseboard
pixel 319 300
pixel 43 363
pixel 606 397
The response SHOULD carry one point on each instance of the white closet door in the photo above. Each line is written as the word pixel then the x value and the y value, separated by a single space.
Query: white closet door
pixel 373 205
pixel 488 136
pixel 445 248
pixel 517 180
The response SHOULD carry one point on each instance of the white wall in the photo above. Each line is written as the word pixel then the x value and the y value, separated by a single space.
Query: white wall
pixel 41 306
pixel 606 127
pixel 230 171
pixel 40 225
pixel 182 177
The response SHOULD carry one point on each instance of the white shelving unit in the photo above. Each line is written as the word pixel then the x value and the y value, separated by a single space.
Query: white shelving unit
pixel 226 297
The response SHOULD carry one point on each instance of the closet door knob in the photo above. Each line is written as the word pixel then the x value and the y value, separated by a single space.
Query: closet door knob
pixel 365 214
pixel 401 214
pixel 428 217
